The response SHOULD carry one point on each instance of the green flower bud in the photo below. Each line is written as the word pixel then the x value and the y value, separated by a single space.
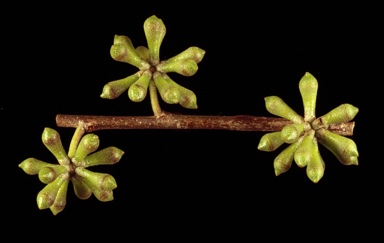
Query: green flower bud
pixel 186 67
pixel 49 174
pixel 316 165
pixel 61 199
pixel 88 144
pixel 143 53
pixel 32 166
pixel 188 98
pixel 138 91
pixel 122 50
pixel 308 88
pixel 52 141
pixel 292 132
pixel 114 89
pixel 342 113
pixel 107 156
pixel 193 52
pixel 167 90
pixel 82 191
pixel 276 106
pixel 283 161
pixel 155 30
pixel 303 153
pixel 101 184
pixel 270 141
pixel 343 148
pixel 46 197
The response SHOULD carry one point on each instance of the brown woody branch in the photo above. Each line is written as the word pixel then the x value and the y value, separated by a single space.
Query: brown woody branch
pixel 176 121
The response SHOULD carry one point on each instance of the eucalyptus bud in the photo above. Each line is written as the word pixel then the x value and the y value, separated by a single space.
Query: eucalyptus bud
pixel 114 89
pixel 88 144
pixel 46 197
pixel 303 153
pixel 167 90
pixel 101 184
pixel 138 91
pixel 276 106
pixel 49 174
pixel 193 52
pixel 186 67
pixel 154 30
pixel 122 50
pixel 107 156
pixel 283 161
pixel 342 113
pixel 308 88
pixel 61 199
pixel 82 191
pixel 187 97
pixel 32 166
pixel 316 166
pixel 343 148
pixel 270 141
pixel 143 53
pixel 52 141
pixel 292 132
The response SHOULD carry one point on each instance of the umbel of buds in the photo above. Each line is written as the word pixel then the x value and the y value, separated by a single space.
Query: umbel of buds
pixel 72 167
pixel 304 134
pixel 152 71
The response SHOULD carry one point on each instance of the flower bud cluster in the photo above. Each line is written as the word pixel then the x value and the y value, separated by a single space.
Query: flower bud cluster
pixel 151 69
pixel 72 168
pixel 305 132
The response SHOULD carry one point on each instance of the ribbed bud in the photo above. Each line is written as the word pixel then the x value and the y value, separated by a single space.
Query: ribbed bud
pixel 107 156
pixel 193 52
pixel 49 174
pixel 343 148
pixel 303 153
pixel 52 141
pixel 270 141
pixel 101 184
pixel 188 98
pixel 61 199
pixel 138 91
pixel 46 197
pixel 316 166
pixel 143 53
pixel 342 113
pixel 114 89
pixel 292 132
pixel 167 90
pixel 82 191
pixel 308 88
pixel 276 106
pixel 122 50
pixel 186 67
pixel 32 166
pixel 154 30
pixel 88 144
pixel 283 161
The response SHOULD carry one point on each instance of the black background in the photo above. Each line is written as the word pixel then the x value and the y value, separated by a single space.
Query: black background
pixel 195 185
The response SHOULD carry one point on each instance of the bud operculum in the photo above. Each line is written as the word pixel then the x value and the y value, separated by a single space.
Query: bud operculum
pixel 114 89
pixel 138 90
pixel 270 141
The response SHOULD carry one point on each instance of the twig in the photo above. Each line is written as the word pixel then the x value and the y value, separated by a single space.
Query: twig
pixel 176 121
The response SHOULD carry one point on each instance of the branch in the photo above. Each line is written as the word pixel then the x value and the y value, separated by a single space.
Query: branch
pixel 176 121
